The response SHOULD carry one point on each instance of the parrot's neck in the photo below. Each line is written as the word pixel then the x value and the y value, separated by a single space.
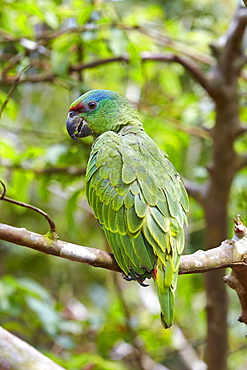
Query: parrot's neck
pixel 126 123
pixel 129 129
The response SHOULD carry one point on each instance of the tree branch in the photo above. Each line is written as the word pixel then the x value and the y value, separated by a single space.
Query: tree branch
pixel 73 252
pixel 53 232
pixel 70 170
pixel 144 57
pixel 19 355
pixel 229 50
pixel 241 161
pixel 231 253
pixel 186 63
pixel 147 57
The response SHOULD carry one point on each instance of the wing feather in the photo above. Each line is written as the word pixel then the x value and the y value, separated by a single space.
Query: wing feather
pixel 140 201
pixel 129 200
pixel 163 222
pixel 161 237
pixel 128 173
pixel 144 252
pixel 140 207
pixel 119 253
pixel 134 222
pixel 134 262
pixel 134 188
pixel 117 202
pixel 149 197
pixel 121 222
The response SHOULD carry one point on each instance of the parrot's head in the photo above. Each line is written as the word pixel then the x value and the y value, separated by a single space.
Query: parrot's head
pixel 99 111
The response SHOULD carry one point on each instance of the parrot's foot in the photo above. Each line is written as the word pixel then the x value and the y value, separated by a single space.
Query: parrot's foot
pixel 126 277
pixel 140 281
pixel 139 278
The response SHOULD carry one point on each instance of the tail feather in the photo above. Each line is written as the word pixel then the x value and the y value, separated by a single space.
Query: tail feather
pixel 166 295
pixel 167 308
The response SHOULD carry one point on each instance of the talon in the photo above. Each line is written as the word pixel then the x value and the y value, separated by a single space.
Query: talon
pixel 142 284
pixel 126 277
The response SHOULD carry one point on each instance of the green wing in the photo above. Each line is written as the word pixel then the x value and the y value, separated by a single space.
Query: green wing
pixel 140 201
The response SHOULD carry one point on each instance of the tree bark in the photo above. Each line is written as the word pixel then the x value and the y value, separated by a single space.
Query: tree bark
pixel 217 343
pixel 222 86
pixel 230 253
pixel 15 354
pixel 222 172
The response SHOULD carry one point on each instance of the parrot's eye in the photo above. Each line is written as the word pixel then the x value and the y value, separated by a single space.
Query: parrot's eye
pixel 71 114
pixel 91 104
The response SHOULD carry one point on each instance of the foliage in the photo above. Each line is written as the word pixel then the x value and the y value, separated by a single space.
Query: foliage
pixel 81 316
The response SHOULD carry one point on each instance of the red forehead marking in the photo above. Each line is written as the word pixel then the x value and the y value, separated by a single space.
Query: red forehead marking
pixel 76 107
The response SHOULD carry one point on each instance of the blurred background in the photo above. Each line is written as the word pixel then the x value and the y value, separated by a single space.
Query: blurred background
pixel 52 51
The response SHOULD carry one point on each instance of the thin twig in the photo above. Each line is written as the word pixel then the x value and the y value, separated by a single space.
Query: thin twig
pixel 53 231
pixel 70 170
pixel 12 89
pixel 165 58
pixel 16 82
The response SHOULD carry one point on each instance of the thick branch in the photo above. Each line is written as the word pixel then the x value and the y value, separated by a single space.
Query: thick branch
pixel 19 355
pixel 231 253
pixel 237 281
pixel 226 255
pixel 73 252
pixel 241 161
pixel 229 51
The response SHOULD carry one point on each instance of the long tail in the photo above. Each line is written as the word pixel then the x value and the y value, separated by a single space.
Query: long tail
pixel 165 280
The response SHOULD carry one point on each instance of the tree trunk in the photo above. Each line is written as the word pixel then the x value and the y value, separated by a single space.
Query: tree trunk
pixel 222 172
pixel 217 344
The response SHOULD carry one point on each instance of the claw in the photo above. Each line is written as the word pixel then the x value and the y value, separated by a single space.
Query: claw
pixel 126 277
pixel 141 283
pixel 139 278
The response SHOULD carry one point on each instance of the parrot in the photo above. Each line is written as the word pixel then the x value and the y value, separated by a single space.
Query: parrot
pixel 134 191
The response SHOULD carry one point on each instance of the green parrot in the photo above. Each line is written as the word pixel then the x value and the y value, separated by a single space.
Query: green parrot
pixel 135 192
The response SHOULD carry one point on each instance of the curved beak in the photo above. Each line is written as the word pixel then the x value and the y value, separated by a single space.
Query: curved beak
pixel 77 126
